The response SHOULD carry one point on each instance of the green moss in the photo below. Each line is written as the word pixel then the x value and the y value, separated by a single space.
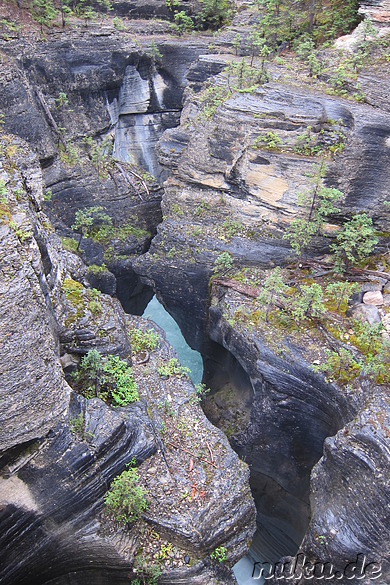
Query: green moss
pixel 73 293
pixel 71 245
pixel 105 234
pixel 97 270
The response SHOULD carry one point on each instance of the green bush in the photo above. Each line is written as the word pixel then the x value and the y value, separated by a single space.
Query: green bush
pixel 141 340
pixel 215 13
pixel 107 377
pixel 307 303
pixel 270 141
pixel 223 263
pixel 126 498
pixel 355 242
pixel 173 368
pixel 219 554
pixel 340 366
pixel 183 22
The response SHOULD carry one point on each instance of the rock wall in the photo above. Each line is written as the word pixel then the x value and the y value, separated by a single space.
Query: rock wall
pixel 59 452
pixel 119 96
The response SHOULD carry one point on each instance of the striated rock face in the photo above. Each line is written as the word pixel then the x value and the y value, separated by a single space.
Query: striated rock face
pixel 351 482
pixel 59 452
pixel 293 420
pixel 377 10
pixel 349 529
pixel 119 97
pixel 289 414
pixel 228 193
pixel 33 392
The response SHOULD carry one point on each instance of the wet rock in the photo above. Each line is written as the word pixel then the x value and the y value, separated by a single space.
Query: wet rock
pixel 367 313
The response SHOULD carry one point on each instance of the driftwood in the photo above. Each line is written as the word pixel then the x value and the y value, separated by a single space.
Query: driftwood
pixel 245 289
pixel 124 174
pixel 50 118
pixel 352 271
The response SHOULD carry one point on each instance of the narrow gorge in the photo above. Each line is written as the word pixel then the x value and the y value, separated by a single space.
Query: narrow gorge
pixel 241 177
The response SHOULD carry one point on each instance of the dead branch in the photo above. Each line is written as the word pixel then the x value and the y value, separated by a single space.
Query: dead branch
pixel 124 174
pixel 49 116
pixel 193 454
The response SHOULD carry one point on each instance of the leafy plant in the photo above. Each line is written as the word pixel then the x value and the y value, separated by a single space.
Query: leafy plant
pixel 20 234
pixel 355 242
pixel 77 427
pixel 340 292
pixel 215 13
pixel 126 498
pixel 149 573
pixel 43 12
pixel 308 303
pixel 173 368
pixel 219 554
pixel 141 340
pixel 273 288
pixel 71 245
pixel 183 22
pixel 223 262
pixel 107 377
pixel 118 23
pixel 87 219
pixel 270 141
pixel 319 202
pixel 340 365
pixel 62 100
pixel 165 551
pixel 200 392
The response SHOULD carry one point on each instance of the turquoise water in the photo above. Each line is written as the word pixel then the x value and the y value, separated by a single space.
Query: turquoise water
pixel 188 357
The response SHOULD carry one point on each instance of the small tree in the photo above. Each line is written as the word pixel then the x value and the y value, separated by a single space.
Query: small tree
pixel 183 22
pixel 43 12
pixel 107 377
pixel 126 498
pixel 89 372
pixel 237 43
pixel 308 303
pixel 341 292
pixel 273 288
pixel 319 202
pixel 86 219
pixel 355 242
pixel 216 13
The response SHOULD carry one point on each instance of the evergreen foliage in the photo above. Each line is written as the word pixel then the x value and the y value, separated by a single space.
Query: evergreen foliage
pixel 107 377
pixel 126 498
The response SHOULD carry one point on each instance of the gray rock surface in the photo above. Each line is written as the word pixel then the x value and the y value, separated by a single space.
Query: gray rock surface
pixel 60 452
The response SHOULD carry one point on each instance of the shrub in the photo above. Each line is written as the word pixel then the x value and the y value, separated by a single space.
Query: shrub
pixel 339 365
pixel 308 303
pixel 141 340
pixel 219 554
pixel 108 378
pixel 355 242
pixel 173 368
pixel 126 498
pixel 216 13
pixel 223 263
pixel 341 292
pixel 270 141
pixel 183 22
pixel 273 288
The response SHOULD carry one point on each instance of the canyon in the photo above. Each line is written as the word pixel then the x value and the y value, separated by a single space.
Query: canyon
pixel 305 466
